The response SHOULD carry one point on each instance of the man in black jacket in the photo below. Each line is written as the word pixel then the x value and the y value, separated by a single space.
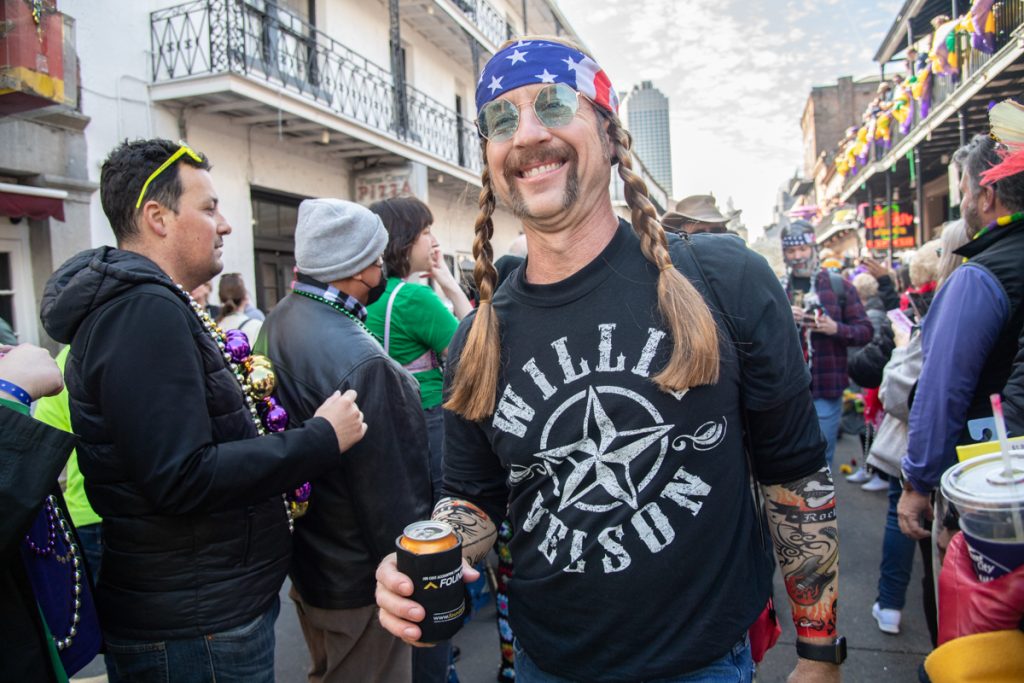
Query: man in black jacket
pixel 196 533
pixel 319 344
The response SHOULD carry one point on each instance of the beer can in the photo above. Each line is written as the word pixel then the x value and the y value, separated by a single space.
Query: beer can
pixel 430 554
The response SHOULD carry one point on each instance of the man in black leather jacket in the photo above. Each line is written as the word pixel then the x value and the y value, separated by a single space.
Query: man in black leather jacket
pixel 195 530
pixel 318 343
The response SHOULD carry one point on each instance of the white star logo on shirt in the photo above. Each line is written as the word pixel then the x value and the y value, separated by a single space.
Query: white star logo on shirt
pixel 522 43
pixel 609 466
pixel 545 77
pixel 495 84
pixel 516 56
pixel 571 64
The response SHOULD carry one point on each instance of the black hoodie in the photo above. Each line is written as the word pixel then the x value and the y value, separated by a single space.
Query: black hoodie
pixel 195 532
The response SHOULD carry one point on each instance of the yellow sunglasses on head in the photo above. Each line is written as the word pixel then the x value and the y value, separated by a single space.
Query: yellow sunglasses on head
pixel 183 149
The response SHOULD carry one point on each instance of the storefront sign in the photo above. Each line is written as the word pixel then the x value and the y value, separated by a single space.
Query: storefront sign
pixel 876 229
pixel 399 181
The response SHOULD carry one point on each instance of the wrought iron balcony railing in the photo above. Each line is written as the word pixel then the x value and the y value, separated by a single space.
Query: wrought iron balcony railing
pixel 258 40
pixel 487 18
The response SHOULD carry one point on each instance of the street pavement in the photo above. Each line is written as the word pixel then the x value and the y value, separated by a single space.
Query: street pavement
pixel 873 655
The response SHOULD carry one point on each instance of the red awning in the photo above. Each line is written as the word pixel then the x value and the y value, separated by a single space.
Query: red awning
pixel 19 201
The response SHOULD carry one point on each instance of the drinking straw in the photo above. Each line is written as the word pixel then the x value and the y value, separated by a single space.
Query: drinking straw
pixel 1004 447
pixel 1004 440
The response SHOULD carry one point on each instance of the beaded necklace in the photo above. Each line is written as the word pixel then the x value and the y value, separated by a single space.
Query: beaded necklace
pixel 1000 222
pixel 336 306
pixel 56 523
pixel 255 376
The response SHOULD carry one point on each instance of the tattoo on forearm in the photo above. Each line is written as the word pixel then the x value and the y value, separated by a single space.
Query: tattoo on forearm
pixel 471 524
pixel 802 519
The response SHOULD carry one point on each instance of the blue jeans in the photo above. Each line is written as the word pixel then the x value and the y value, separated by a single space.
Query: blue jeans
pixel 897 556
pixel 829 411
pixel 434 418
pixel 735 667
pixel 91 536
pixel 244 654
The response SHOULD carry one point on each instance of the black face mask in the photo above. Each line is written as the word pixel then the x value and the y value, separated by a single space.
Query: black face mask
pixel 377 291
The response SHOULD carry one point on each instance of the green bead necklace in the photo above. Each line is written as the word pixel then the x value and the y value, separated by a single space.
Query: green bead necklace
pixel 335 306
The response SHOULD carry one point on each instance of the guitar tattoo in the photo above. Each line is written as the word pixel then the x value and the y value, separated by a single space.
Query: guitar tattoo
pixel 802 519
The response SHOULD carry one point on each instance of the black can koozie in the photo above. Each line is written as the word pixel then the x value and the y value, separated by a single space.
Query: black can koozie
pixel 437 586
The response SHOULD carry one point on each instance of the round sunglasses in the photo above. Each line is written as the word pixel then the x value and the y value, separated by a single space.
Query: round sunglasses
pixel 555 106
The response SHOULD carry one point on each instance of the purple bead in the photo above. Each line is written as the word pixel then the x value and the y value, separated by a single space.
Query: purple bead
pixel 275 418
pixel 237 345
pixel 303 493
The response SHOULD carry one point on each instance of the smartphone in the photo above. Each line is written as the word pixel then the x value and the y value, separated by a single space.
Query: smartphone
pixel 900 321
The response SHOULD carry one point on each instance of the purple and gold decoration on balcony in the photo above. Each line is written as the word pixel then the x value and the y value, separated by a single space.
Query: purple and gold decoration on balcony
pixel 982 24
pixel 902 108
pixel 943 55
pixel 883 130
pixel 921 88
pixel 861 147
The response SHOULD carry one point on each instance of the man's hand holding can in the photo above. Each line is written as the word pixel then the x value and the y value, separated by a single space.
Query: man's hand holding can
pixel 399 614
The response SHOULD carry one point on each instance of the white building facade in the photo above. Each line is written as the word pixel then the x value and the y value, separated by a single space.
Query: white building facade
pixel 356 99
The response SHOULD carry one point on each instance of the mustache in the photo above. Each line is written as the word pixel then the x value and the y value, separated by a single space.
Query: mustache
pixel 518 159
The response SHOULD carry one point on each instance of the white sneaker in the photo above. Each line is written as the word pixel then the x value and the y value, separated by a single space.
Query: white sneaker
pixel 888 619
pixel 858 477
pixel 875 483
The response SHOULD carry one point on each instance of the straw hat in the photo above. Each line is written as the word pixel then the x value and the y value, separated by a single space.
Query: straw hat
pixel 699 208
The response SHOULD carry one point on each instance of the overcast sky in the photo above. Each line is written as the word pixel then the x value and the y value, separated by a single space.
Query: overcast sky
pixel 737 74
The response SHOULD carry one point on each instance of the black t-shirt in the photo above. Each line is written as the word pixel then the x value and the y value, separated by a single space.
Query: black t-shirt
pixel 635 542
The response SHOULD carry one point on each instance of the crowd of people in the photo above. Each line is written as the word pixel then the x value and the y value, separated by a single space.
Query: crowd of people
pixel 618 397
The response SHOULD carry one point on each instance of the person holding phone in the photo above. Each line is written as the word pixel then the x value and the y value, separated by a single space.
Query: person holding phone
pixel 831 319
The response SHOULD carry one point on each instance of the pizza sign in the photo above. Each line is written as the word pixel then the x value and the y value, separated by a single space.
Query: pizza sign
pixel 373 187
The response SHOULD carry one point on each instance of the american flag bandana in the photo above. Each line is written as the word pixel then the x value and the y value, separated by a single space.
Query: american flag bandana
pixel 541 61
pixel 798 240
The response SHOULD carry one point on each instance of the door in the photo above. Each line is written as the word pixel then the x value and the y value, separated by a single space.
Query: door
pixel 17 299
pixel 275 271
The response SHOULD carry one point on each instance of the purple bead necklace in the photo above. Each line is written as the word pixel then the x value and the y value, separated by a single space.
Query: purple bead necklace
pixel 56 525
pixel 255 376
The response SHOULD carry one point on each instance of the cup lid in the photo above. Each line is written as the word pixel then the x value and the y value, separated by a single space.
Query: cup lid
pixel 980 482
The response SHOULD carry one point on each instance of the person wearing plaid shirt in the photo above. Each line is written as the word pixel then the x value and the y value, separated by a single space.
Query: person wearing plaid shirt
pixel 831 319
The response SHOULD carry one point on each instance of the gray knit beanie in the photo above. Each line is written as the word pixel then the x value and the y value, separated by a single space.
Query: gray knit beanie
pixel 335 239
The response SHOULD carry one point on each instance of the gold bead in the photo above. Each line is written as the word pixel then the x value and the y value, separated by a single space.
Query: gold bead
pixel 261 380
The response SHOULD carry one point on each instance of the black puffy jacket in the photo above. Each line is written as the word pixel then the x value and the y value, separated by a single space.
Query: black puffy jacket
pixel 194 527
pixel 358 510
pixel 866 363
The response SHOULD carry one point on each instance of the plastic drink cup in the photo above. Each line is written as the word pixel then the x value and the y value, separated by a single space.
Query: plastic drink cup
pixel 990 500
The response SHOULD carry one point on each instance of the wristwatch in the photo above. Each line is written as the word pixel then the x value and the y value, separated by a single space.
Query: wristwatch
pixel 906 485
pixel 834 652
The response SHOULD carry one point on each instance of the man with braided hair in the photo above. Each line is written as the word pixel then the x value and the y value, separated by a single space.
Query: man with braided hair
pixel 597 401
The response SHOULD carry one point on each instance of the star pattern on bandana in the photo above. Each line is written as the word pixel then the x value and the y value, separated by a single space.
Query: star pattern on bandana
pixel 517 56
pixel 539 61
pixel 545 77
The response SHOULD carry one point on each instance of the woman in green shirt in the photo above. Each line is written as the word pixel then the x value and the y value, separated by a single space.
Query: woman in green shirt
pixel 409 320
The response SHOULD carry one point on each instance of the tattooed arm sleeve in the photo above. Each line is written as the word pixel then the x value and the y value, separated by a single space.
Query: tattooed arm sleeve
pixel 802 520
pixel 471 524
